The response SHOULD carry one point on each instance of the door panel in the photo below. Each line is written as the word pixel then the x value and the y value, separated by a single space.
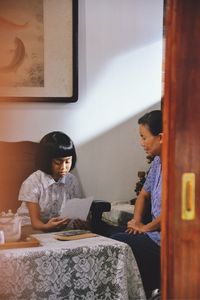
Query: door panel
pixel 181 149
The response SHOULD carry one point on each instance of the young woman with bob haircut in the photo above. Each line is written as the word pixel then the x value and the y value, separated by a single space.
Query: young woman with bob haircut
pixel 45 191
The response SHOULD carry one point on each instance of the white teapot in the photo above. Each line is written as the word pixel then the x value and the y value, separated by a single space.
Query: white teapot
pixel 11 225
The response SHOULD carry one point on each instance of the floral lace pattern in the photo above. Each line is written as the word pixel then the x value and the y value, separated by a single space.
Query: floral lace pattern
pixel 103 269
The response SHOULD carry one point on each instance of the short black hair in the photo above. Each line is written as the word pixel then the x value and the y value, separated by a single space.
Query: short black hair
pixel 153 120
pixel 55 144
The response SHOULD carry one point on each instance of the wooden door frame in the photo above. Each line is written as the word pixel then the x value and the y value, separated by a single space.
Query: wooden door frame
pixel 167 151
pixel 181 109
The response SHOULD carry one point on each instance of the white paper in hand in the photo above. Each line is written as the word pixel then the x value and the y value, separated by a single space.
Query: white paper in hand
pixel 76 208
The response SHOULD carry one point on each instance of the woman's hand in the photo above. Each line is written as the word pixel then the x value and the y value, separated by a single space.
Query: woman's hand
pixel 135 227
pixel 61 224
pixel 57 222
pixel 138 227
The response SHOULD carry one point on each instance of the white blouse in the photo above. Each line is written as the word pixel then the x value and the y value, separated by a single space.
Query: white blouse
pixel 41 188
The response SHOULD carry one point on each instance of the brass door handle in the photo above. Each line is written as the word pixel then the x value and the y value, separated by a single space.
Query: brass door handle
pixel 188 196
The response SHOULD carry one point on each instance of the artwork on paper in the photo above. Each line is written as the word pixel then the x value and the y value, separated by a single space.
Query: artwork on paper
pixel 22 43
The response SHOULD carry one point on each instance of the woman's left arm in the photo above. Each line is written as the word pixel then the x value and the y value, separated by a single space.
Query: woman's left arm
pixel 154 225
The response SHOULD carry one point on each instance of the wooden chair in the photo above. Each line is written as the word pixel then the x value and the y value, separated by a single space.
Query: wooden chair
pixel 17 162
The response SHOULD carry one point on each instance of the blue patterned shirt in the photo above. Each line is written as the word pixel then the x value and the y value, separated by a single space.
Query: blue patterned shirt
pixel 153 186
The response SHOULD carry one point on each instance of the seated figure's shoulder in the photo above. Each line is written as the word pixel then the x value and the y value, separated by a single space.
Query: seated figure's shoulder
pixel 71 181
pixel 35 177
pixel 70 177
pixel 156 161
pixel 155 166
pixel 156 158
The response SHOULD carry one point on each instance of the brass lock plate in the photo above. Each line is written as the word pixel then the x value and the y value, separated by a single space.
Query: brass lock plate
pixel 188 196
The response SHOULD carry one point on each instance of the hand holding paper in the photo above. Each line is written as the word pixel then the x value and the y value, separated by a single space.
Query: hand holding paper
pixel 76 208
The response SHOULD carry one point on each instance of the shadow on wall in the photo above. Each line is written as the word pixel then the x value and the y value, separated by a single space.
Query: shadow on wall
pixel 107 165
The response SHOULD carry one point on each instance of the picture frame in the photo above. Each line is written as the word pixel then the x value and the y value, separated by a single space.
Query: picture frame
pixel 41 51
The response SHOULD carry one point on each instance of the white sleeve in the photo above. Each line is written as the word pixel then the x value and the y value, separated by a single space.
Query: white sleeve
pixel 29 190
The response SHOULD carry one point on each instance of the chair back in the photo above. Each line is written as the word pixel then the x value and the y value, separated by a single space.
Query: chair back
pixel 17 162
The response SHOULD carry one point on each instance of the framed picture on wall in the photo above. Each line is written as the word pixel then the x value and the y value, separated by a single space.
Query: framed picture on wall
pixel 39 50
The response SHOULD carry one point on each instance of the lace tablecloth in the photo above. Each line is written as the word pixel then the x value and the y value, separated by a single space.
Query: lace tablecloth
pixel 87 269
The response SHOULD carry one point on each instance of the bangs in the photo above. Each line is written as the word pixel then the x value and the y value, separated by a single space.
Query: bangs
pixel 62 152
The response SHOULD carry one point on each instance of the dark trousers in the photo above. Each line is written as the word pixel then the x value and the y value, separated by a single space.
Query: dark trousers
pixel 147 255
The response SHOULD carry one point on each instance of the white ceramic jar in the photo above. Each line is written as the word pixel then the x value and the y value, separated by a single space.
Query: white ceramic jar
pixel 2 237
pixel 11 225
